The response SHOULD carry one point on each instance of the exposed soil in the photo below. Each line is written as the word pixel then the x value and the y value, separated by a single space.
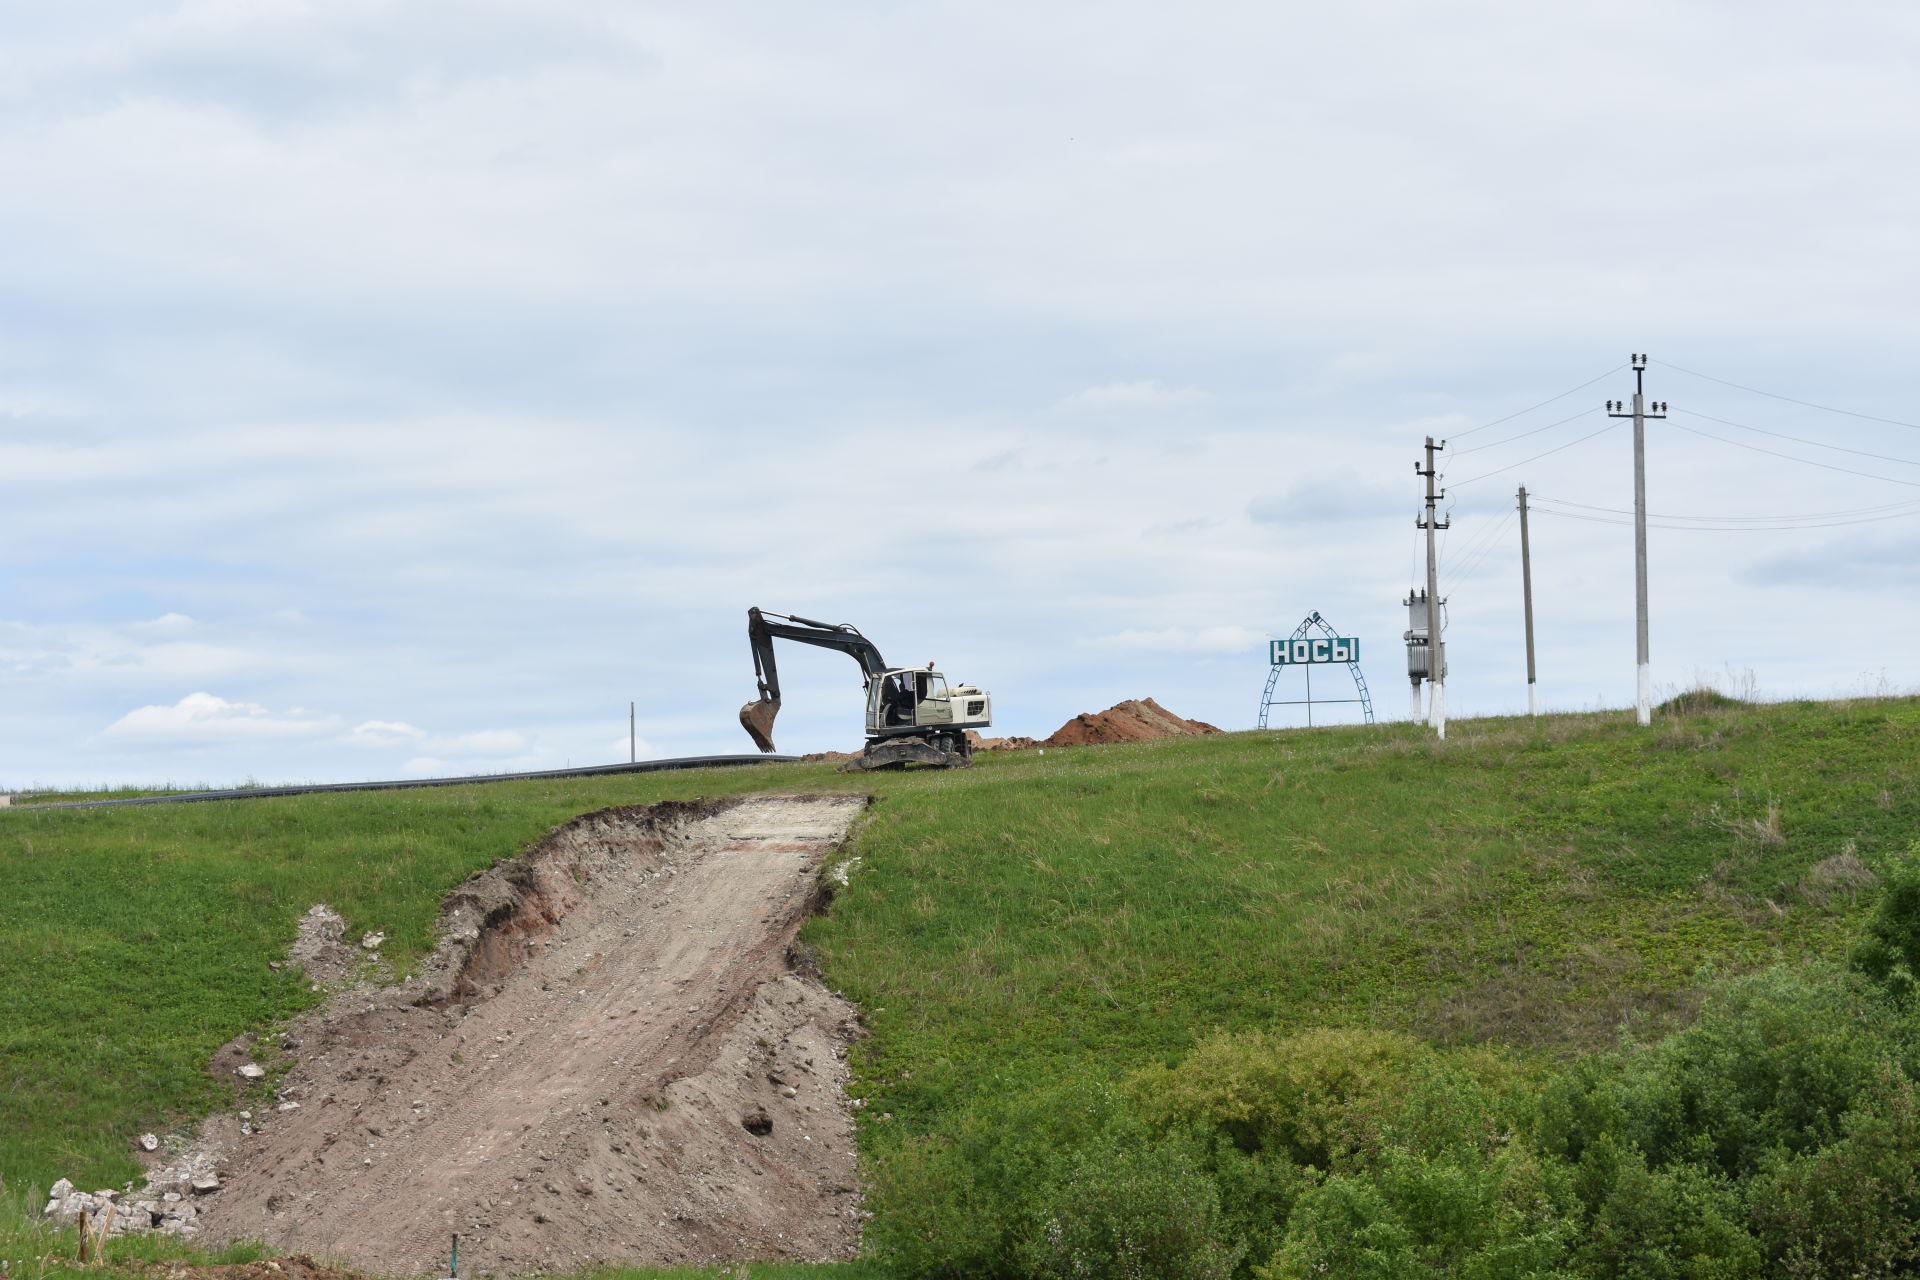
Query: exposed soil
pixel 612 1057
pixel 1135 720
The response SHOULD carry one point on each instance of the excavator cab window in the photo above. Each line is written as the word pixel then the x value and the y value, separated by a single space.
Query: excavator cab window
pixel 898 694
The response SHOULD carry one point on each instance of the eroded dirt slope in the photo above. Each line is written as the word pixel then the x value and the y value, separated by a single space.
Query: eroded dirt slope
pixel 622 1064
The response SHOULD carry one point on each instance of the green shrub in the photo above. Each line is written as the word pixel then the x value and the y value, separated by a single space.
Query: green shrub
pixel 1131 1206
pixel 1508 1217
pixel 1774 1063
pixel 1680 1223
pixel 1890 952
pixel 1852 1208
pixel 1317 1098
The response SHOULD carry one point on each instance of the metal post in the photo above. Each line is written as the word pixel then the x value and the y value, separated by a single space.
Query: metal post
pixel 1309 696
pixel 1436 653
pixel 1643 697
pixel 1526 596
pixel 633 740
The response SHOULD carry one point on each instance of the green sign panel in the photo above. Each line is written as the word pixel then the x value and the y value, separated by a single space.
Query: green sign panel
pixel 1303 651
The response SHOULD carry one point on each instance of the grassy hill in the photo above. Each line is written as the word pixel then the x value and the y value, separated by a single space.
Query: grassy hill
pixel 1040 924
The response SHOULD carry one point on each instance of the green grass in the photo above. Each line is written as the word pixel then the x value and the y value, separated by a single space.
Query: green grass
pixel 1535 884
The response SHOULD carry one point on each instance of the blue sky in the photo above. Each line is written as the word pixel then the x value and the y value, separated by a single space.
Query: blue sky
pixel 393 388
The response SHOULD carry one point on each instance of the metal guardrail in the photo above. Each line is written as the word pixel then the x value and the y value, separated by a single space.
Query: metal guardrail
pixel 256 793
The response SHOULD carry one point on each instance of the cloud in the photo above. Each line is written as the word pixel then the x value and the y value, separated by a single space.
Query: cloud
pixel 1331 498
pixel 170 623
pixel 383 734
pixel 1127 397
pixel 485 742
pixel 205 718
pixel 1223 639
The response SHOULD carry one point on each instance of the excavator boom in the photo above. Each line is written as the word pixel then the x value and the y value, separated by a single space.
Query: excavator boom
pixel 757 716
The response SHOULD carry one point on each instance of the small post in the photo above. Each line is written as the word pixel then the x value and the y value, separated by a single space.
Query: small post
pixel 453 1258
pixel 633 742
pixel 1309 695
pixel 1526 596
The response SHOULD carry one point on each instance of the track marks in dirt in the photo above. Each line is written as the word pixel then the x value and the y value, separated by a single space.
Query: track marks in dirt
pixel 618 1062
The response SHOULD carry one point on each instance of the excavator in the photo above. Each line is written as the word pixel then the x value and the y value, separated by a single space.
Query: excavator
pixel 913 715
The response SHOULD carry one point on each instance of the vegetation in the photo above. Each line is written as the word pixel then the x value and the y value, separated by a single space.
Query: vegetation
pixel 1336 1002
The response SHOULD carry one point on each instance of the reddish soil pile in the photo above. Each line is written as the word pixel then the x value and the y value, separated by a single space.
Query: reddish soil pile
pixel 1135 720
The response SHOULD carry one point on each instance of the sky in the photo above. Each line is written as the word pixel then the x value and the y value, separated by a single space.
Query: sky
pixel 399 388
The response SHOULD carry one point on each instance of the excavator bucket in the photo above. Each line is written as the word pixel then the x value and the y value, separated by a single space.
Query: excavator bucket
pixel 757 719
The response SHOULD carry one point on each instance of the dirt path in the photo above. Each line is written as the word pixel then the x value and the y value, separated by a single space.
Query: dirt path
pixel 626 1068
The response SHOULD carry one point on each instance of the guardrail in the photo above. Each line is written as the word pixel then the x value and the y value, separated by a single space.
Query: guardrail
pixel 256 793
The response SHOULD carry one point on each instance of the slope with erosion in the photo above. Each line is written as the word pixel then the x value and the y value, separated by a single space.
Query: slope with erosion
pixel 621 1066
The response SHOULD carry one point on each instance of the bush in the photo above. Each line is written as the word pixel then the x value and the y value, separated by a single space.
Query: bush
pixel 1505 1218
pixel 1852 1208
pixel 1775 1062
pixel 1889 954
pixel 1315 1098
pixel 1131 1207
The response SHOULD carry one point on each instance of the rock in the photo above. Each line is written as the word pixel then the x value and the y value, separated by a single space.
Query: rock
pixel 288 1106
pixel 149 1142
pixel 61 1190
pixel 250 1070
pixel 372 941
pixel 203 1183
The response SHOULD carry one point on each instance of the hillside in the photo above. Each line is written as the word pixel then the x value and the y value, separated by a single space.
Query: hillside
pixel 1034 924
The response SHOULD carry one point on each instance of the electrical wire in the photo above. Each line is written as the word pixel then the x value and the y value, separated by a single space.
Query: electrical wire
pixel 1806 404
pixel 1893 508
pixel 1808 462
pixel 1818 444
pixel 1471 558
pixel 1495 444
pixel 1536 457
pixel 1709 528
pixel 1543 404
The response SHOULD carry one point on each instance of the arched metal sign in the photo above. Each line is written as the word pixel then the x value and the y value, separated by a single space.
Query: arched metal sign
pixel 1314 643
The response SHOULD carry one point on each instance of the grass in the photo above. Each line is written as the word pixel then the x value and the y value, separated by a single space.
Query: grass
pixel 1531 883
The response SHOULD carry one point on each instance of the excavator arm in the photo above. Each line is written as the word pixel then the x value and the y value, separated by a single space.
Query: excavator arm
pixel 757 716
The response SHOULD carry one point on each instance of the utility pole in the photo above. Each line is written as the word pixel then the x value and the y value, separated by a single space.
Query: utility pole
pixel 633 742
pixel 1436 652
pixel 1643 703
pixel 1526 595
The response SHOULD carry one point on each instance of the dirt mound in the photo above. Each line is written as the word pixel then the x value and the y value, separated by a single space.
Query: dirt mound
pixel 1135 720
pixel 611 1058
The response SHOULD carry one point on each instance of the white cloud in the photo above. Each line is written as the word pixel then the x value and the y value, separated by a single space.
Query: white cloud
pixel 203 717
pixel 383 734
pixel 485 742
pixel 1130 396
pixel 1223 639
pixel 166 622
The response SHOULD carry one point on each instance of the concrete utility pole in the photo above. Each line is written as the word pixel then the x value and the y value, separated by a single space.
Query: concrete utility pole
pixel 1643 703
pixel 633 741
pixel 1436 652
pixel 1526 596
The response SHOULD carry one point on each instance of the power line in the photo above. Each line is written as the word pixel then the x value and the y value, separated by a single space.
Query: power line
pixel 1495 444
pixel 1536 457
pixel 1801 440
pixel 1805 404
pixel 1543 404
pixel 1623 521
pixel 1809 462
pixel 1896 508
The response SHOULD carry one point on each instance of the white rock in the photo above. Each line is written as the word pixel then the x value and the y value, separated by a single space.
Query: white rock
pixel 250 1070
pixel 60 1190
pixel 372 941
pixel 149 1142
pixel 205 1182
pixel 288 1106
